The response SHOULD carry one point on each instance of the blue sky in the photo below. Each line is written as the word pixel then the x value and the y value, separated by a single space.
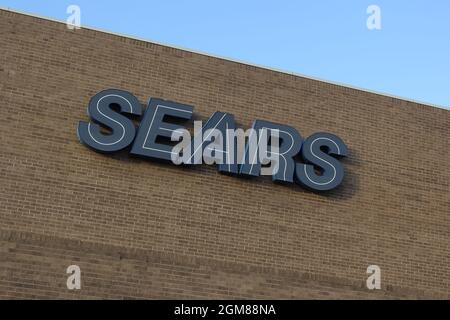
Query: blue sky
pixel 408 57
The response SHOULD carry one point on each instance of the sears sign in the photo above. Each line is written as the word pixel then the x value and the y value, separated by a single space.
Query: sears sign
pixel 265 148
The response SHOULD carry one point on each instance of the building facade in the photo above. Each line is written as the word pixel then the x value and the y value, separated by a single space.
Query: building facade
pixel 144 229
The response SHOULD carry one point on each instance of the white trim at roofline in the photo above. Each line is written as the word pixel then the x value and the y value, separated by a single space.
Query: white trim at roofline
pixel 234 60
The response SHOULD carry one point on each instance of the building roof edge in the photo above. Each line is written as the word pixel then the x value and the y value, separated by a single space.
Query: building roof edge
pixel 336 83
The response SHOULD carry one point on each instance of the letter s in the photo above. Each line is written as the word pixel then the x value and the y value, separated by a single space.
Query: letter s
pixel 122 128
pixel 316 152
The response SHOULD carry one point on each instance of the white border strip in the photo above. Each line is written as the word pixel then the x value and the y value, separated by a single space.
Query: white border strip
pixel 235 60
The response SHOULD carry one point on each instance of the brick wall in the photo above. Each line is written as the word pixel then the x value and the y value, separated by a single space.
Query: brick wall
pixel 194 233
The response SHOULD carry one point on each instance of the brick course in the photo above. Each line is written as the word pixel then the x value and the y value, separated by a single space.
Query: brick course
pixel 194 233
